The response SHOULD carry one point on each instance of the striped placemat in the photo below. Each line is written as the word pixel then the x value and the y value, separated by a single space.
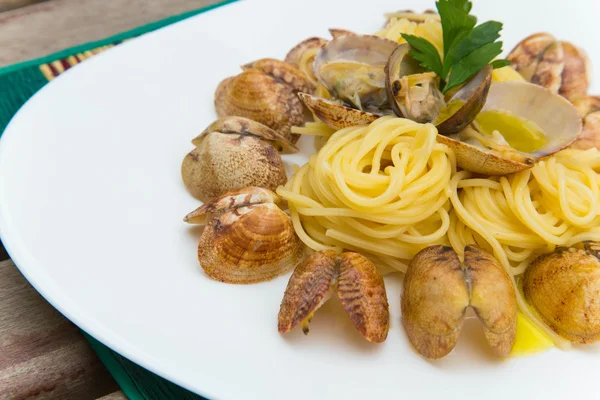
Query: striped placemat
pixel 17 84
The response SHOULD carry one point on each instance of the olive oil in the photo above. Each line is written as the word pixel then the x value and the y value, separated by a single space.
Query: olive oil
pixel 449 110
pixel 521 134
pixel 530 339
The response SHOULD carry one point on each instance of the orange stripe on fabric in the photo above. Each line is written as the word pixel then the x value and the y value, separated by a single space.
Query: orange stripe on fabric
pixel 47 72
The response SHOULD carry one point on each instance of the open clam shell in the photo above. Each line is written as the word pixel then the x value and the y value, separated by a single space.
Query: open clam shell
pixel 438 290
pixel 564 288
pixel 309 287
pixel 556 116
pixel 334 114
pixel 352 277
pixel 553 114
pixel 362 293
pixel 472 96
pixel 351 68
pixel 589 109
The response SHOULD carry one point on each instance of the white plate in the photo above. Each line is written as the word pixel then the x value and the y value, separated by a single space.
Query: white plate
pixel 92 207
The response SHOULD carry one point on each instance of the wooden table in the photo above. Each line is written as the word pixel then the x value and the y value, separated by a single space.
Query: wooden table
pixel 42 355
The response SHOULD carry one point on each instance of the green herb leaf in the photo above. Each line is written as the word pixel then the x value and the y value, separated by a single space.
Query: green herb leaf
pixel 482 34
pixel 467 48
pixel 468 66
pixel 500 64
pixel 455 20
pixel 425 53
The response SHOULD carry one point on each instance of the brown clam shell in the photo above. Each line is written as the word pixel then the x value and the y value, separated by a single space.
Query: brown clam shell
pixel 224 162
pixel 244 197
pixel 576 75
pixel 589 109
pixel 245 126
pixel 283 72
pixel 484 162
pixel 474 94
pixel 295 55
pixel 249 244
pixel 262 98
pixel 334 114
pixel 550 68
pixel 527 53
pixel 362 293
pixel 434 301
pixel 307 289
pixel 556 65
pixel 359 287
pixel 493 298
pixel 564 288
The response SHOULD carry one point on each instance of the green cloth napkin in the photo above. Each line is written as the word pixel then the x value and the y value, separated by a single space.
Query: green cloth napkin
pixel 17 84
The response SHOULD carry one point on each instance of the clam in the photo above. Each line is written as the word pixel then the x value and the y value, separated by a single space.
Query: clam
pixel 415 94
pixel 564 288
pixel 265 92
pixel 556 65
pixel 248 238
pixel 233 153
pixel 519 123
pixel 353 277
pixel 334 114
pixel 303 55
pixel 438 290
pixel 352 69
pixel 589 110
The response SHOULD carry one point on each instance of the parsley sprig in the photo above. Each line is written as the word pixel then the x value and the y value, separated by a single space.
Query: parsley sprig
pixel 467 48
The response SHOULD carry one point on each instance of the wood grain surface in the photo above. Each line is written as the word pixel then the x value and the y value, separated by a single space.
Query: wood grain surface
pixel 42 355
pixel 44 28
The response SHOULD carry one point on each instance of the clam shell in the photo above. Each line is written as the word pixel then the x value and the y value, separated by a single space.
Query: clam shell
pixel 484 161
pixel 245 126
pixel 308 288
pixel 474 93
pixel 224 162
pixel 334 114
pixel 295 54
pixel 576 75
pixel 249 244
pixel 550 68
pixel 493 298
pixel 262 98
pixel 590 135
pixel 555 115
pixel 587 105
pixel 244 197
pixel 362 293
pixel 564 288
pixel 527 54
pixel 365 49
pixel 399 64
pixel 434 301
pixel 283 72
